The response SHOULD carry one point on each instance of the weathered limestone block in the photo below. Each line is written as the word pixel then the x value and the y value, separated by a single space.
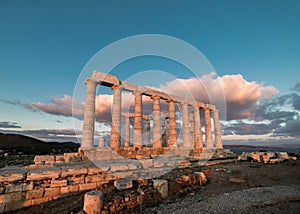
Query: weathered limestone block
pixel 93 178
pixel 146 163
pixel 34 194
pixel 11 201
pixel 40 200
pixel 201 177
pixel 132 167
pixel 76 180
pixel 51 192
pixel 93 202
pixel 12 174
pixel 73 170
pixel 157 163
pixel 69 189
pixel 44 159
pixel 125 183
pixel 115 168
pixel 162 187
pixel 283 155
pixel 16 187
pixel 60 183
pixel 59 158
pixel 87 186
pixel 40 174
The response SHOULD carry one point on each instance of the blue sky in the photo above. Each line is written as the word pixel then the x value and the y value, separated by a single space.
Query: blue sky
pixel 44 45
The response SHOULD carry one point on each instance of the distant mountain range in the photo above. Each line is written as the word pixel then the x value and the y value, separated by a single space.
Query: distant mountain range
pixel 20 144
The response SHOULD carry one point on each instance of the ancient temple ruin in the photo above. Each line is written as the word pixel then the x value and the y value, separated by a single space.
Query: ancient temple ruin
pixel 161 140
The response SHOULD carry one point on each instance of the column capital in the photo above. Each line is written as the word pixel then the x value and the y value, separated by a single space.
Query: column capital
pixel 137 93
pixel 155 96
pixel 115 87
pixel 90 81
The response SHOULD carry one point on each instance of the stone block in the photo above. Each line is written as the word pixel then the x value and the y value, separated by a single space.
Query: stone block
pixel 77 180
pixel 44 159
pixel 58 183
pixel 162 187
pixel 40 200
pixel 283 155
pixel 146 163
pixel 40 174
pixel 16 187
pixel 59 159
pixel 157 163
pixel 116 168
pixel 73 170
pixel 69 189
pixel 93 202
pixel 89 186
pixel 125 183
pixel 132 167
pixel 12 201
pixel 34 194
pixel 93 178
pixel 12 174
pixel 50 192
pixel 201 178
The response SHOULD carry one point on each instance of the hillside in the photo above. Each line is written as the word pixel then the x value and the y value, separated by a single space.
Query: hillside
pixel 20 144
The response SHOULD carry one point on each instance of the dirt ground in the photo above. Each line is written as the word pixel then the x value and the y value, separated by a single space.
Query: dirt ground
pixel 223 179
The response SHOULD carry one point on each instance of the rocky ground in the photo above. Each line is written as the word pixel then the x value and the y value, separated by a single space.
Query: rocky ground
pixel 243 188
pixel 236 187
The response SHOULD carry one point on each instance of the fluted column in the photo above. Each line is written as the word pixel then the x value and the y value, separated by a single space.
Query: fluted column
pixel 192 128
pixel 185 125
pixel 115 134
pixel 208 136
pixel 167 135
pixel 127 132
pixel 138 120
pixel 172 118
pixel 89 114
pixel 156 122
pixel 148 132
pixel 218 138
pixel 198 131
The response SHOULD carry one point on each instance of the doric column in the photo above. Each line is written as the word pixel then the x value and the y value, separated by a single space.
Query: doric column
pixel 127 132
pixel 148 132
pixel 185 125
pixel 198 131
pixel 138 120
pixel 172 118
pixel 192 128
pixel 156 122
pixel 115 135
pixel 208 136
pixel 167 135
pixel 89 114
pixel 218 138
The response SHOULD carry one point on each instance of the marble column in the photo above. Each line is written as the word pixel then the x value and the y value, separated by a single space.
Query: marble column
pixel 89 114
pixel 208 135
pixel 219 144
pixel 157 141
pixel 148 132
pixel 192 128
pixel 115 134
pixel 127 132
pixel 101 143
pixel 138 120
pixel 172 125
pixel 185 125
pixel 198 131
pixel 167 135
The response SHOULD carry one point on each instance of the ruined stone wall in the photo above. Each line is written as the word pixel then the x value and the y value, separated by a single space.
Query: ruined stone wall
pixel 52 177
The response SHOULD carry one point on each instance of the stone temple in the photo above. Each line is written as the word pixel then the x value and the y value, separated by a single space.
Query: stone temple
pixel 164 130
